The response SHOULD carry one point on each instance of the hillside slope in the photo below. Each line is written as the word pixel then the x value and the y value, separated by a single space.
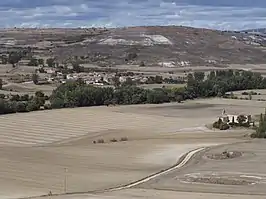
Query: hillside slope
pixel 176 46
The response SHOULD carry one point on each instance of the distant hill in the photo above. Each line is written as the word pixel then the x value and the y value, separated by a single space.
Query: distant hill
pixel 175 46
pixel 259 30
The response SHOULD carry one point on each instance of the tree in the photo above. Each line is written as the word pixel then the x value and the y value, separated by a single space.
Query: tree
pixel 142 64
pixel 241 119
pixel 4 59
pixel 199 76
pixel 179 98
pixel 39 94
pixel 131 56
pixel 41 70
pixel 190 80
pixel 50 62
pixel 21 107
pixel 264 117
pixel 76 66
pixel 33 105
pixel 261 129
pixel 25 97
pixel 1 83
pixel 233 121
pixel 14 58
pixel 40 98
pixel 41 62
pixel 35 78
pixel 15 98
pixel 158 79
pixel 116 81
pixel 128 82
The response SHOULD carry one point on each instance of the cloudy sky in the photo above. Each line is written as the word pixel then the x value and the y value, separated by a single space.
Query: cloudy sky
pixel 218 14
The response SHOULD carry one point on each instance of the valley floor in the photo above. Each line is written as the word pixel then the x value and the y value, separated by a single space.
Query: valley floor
pixel 54 151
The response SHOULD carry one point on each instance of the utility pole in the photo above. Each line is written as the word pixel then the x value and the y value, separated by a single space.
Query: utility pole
pixel 65 180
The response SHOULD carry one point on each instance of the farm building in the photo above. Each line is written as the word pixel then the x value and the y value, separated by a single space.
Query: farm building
pixel 228 118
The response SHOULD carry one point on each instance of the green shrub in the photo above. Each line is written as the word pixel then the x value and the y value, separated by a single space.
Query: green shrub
pixel 253 135
pixel 247 124
pixel 100 141
pixel 123 139
pixel 217 124
pixel 21 107
pixel 113 140
pixel 224 126
pixel 47 106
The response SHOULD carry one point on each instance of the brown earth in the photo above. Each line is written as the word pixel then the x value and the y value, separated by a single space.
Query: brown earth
pixel 246 175
pixel 37 147
pixel 199 47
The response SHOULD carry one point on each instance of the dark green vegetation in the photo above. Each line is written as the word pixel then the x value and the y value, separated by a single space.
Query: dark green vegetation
pixel 78 94
pixel 23 103
pixel 101 141
pixel 261 129
pixel 225 123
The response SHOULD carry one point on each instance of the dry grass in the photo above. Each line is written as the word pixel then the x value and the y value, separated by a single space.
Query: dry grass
pixel 261 94
pixel 26 88
pixel 151 86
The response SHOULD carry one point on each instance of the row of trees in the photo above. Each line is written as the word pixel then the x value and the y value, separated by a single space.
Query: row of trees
pixel 17 104
pixel 217 83
pixel 78 94
pixel 198 85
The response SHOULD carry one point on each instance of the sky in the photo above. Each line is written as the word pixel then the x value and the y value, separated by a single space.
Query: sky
pixel 216 14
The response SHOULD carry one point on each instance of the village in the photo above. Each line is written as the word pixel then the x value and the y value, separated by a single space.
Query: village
pixel 47 71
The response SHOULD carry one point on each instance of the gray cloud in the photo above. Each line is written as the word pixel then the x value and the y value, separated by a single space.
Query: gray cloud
pixel 111 13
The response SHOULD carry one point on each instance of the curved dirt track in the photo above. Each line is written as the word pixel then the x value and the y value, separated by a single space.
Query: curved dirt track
pixel 143 188
pixel 183 160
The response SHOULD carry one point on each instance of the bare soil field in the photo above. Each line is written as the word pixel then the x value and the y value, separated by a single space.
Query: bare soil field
pixel 260 96
pixel 155 194
pixel 27 88
pixel 40 151
pixel 244 174
pixel 151 86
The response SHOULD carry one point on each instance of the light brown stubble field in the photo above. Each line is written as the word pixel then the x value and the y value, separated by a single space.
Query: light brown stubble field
pixel 37 147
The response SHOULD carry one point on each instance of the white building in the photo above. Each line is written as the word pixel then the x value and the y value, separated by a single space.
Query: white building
pixel 228 118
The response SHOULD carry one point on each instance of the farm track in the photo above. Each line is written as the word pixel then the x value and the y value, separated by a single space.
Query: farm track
pixel 182 161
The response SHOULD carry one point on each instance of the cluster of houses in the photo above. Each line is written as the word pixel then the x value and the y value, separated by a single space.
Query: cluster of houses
pixel 94 78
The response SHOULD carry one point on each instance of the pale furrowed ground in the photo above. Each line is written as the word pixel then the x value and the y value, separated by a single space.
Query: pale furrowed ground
pixel 37 147
pixel 242 175
pixel 155 194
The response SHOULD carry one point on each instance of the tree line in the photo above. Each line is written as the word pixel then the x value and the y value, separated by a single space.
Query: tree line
pixel 21 104
pixel 261 128
pixel 79 94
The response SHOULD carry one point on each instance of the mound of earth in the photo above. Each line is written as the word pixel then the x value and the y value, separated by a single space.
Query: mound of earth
pixel 221 179
pixel 225 155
